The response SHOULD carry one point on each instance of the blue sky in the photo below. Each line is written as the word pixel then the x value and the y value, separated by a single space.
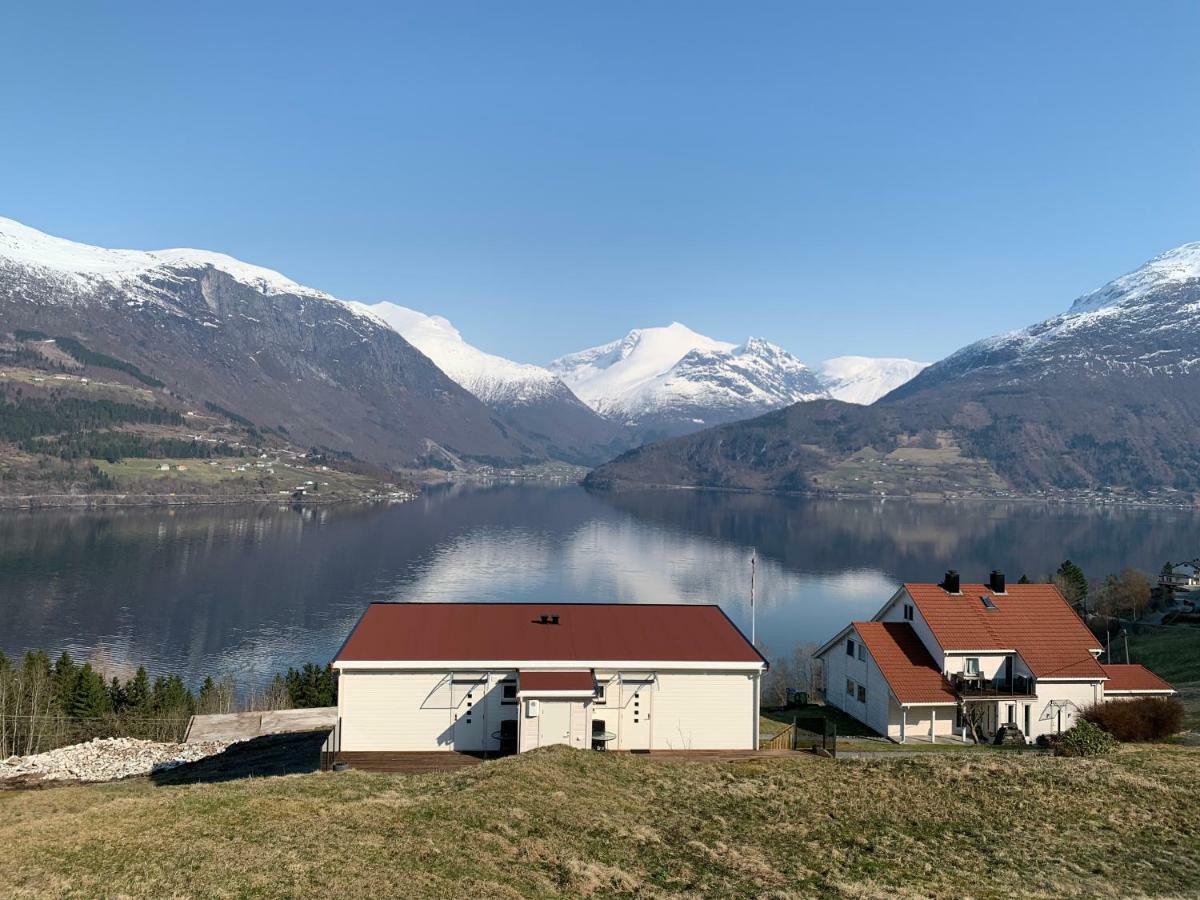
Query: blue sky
pixel 886 179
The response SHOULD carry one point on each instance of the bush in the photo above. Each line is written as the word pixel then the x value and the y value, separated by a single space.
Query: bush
pixel 1143 719
pixel 1085 739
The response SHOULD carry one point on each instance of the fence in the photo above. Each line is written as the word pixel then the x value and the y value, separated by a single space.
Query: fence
pixel 814 733
pixel 24 735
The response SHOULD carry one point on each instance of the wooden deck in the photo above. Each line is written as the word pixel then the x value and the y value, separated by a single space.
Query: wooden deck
pixel 413 762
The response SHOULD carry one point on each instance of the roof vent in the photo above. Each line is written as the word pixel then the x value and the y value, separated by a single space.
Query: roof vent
pixel 951 584
pixel 996 582
pixel 554 620
pixel 543 619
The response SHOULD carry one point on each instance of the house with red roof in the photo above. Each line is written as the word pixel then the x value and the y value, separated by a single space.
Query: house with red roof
pixel 493 677
pixel 957 660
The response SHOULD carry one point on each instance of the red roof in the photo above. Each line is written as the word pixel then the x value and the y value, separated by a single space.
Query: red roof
pixel 1033 619
pixel 586 632
pixel 555 681
pixel 911 672
pixel 1133 677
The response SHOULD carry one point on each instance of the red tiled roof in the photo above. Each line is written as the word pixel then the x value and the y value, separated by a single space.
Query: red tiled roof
pixel 1033 619
pixel 555 681
pixel 1133 677
pixel 911 672
pixel 585 632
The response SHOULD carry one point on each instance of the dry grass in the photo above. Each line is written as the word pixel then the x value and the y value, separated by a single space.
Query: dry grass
pixel 570 823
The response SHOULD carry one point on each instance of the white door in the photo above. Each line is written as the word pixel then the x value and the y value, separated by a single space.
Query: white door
pixel 637 702
pixel 467 711
pixel 554 723
pixel 581 726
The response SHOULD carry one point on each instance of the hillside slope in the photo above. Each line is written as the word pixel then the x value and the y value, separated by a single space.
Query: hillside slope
pixel 570 823
pixel 528 398
pixel 250 340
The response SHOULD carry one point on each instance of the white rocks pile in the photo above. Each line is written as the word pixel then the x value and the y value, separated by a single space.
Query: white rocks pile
pixel 106 759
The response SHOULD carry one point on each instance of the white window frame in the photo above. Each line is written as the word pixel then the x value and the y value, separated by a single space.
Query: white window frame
pixel 968 669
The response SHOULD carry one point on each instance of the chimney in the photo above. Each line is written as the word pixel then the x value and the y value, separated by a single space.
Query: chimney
pixel 554 620
pixel 996 581
pixel 544 619
pixel 952 584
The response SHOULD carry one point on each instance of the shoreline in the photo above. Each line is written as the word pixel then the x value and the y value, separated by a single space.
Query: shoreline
pixel 82 502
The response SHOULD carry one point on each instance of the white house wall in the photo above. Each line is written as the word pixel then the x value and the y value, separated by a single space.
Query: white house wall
pixel 839 666
pixel 413 711
pixel 703 711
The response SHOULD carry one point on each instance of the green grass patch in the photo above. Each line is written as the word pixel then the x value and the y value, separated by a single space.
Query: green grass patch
pixel 565 823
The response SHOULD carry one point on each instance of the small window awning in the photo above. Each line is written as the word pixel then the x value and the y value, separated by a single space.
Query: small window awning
pixel 544 683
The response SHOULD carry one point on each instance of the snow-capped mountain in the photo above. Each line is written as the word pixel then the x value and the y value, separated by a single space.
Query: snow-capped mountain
pixel 249 340
pixel 1102 398
pixel 528 397
pixel 1145 323
pixel 672 380
pixel 864 379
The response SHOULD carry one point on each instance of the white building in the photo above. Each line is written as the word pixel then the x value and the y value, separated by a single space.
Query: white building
pixel 942 660
pixel 486 677
pixel 1184 577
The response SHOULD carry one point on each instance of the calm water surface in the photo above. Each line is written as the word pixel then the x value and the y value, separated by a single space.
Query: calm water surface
pixel 248 591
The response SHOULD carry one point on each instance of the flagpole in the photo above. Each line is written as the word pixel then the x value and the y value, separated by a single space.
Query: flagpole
pixel 753 565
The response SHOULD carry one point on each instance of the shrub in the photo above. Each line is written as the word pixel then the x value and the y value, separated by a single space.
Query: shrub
pixel 1085 739
pixel 1143 719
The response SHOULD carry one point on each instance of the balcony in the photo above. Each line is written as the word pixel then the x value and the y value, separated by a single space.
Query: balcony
pixel 976 687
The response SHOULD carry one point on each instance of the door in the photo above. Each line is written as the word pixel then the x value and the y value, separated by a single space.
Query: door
pixel 581 728
pixel 467 711
pixel 637 702
pixel 554 723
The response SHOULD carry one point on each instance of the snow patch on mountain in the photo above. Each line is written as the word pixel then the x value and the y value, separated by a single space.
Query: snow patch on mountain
pixel 86 268
pixel 1173 267
pixel 493 379
pixel 864 379
pixel 675 373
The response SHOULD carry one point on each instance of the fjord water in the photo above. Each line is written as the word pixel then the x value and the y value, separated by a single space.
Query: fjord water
pixel 248 591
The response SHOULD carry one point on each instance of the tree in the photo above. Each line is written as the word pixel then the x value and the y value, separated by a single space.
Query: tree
pixel 1024 579
pixel 137 690
pixel 1072 583
pixel 90 698
pixel 311 685
pixel 66 673
pixel 1127 594
pixel 116 695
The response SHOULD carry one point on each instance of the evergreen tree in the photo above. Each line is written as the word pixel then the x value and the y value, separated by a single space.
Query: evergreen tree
pixel 66 674
pixel 1024 579
pixel 311 685
pixel 116 695
pixel 90 698
pixel 1072 583
pixel 207 690
pixel 137 690
pixel 170 695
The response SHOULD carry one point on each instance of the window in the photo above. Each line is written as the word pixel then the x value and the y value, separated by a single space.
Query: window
pixel 908 612
pixel 862 694
pixel 972 665
pixel 849 688
pixel 849 648
pixel 1012 714
pixel 862 652
pixel 600 690
pixel 508 692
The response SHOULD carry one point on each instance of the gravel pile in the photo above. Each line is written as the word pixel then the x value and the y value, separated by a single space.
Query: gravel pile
pixel 106 759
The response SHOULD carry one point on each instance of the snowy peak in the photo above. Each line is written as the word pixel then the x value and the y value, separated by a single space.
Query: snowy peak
pixel 88 267
pixel 1174 267
pixel 864 379
pixel 670 380
pixel 493 379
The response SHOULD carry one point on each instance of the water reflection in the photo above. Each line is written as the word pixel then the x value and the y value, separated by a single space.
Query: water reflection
pixel 249 591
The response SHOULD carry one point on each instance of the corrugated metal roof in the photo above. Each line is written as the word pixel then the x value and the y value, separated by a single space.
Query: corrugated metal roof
pixel 1133 677
pixel 911 672
pixel 1033 619
pixel 586 632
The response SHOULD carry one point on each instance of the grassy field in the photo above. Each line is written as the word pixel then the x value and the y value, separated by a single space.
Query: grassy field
pixel 561 822
pixel 1174 653
pixel 199 476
